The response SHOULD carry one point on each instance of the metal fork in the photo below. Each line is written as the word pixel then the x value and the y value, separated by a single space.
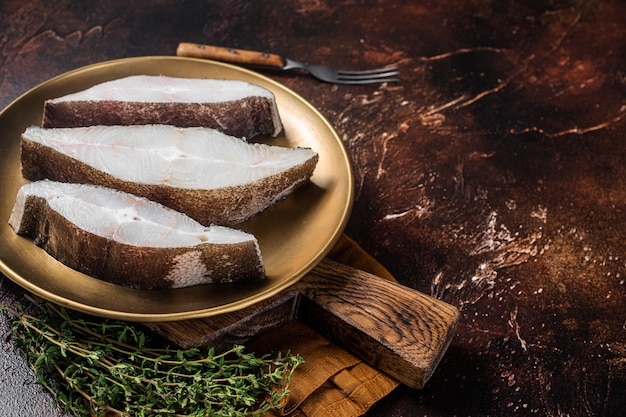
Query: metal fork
pixel 268 60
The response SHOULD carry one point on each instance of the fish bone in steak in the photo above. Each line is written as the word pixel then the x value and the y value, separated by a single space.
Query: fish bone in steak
pixel 129 240
pixel 211 177
pixel 237 108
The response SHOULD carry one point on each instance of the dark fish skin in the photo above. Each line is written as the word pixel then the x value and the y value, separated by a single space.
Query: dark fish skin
pixel 225 206
pixel 134 266
pixel 246 118
pixel 236 108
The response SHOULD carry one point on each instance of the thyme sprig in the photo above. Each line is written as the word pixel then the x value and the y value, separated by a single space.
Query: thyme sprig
pixel 104 366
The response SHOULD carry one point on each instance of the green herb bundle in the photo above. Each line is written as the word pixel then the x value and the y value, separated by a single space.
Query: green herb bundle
pixel 106 366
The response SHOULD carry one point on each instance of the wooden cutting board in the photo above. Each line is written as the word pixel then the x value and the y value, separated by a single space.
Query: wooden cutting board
pixel 393 328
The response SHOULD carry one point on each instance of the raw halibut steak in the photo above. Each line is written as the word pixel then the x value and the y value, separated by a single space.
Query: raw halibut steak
pixel 236 108
pixel 211 177
pixel 131 241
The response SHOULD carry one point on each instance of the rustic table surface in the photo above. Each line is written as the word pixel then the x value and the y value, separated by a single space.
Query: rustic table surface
pixel 492 176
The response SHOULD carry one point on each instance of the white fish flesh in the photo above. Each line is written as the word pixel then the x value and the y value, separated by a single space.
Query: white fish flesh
pixel 234 107
pixel 211 177
pixel 131 241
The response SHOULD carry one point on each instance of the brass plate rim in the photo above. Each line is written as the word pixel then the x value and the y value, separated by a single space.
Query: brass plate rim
pixel 330 143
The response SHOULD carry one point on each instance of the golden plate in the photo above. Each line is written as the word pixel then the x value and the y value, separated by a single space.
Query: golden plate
pixel 294 234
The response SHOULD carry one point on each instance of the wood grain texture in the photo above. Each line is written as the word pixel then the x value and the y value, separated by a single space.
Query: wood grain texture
pixel 226 330
pixel 393 328
pixel 219 53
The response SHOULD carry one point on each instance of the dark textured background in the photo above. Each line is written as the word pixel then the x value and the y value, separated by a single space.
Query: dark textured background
pixel 493 176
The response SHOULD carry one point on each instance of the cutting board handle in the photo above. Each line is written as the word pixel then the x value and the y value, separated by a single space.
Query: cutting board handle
pixel 393 328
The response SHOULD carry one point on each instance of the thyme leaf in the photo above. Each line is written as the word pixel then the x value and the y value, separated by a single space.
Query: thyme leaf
pixel 104 366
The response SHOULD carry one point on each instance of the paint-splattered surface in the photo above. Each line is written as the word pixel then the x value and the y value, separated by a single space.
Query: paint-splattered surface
pixel 493 176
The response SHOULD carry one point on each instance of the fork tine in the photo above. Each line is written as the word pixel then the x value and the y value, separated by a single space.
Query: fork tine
pixel 387 70
pixel 365 81
pixel 380 76
pixel 367 78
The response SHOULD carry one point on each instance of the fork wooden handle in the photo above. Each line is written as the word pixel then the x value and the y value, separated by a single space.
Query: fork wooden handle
pixel 240 56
